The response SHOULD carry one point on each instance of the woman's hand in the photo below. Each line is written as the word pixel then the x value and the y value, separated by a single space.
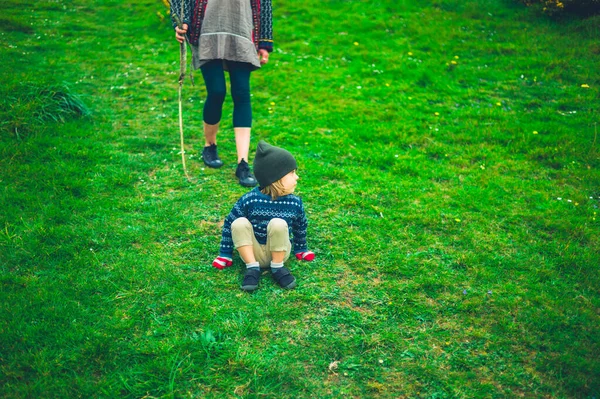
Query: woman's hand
pixel 180 33
pixel 263 56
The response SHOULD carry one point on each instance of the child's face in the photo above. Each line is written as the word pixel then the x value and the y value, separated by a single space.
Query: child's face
pixel 289 182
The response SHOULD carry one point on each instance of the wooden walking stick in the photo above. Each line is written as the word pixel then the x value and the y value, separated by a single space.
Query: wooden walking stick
pixel 182 71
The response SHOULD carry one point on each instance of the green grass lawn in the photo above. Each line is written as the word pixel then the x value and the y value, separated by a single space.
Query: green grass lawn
pixel 449 163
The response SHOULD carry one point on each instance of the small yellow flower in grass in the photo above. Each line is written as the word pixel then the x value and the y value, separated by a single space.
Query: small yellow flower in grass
pixel 456 57
pixel 499 104
pixel 356 43
pixel 457 220
pixel 306 143
pixel 482 167
pixel 577 203
pixel 436 113
pixel 410 53
pixel 387 84
pixel 272 103
pixel 453 62
pixel 585 86
pixel 535 132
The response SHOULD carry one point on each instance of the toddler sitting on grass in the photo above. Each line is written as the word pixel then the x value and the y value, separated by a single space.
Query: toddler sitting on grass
pixel 260 223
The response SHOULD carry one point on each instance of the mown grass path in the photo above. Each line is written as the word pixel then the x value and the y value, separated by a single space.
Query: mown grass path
pixel 448 156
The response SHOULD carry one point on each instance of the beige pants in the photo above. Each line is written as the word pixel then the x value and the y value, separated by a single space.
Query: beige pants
pixel 278 239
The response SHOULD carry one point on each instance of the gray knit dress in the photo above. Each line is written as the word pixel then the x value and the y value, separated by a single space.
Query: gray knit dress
pixel 226 34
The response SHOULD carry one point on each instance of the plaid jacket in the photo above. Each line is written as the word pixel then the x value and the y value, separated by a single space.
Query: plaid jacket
pixel 193 14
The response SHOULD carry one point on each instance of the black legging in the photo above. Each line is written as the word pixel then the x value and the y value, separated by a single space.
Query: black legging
pixel 214 78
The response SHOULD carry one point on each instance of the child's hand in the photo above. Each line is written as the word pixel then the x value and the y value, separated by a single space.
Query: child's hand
pixel 306 255
pixel 221 262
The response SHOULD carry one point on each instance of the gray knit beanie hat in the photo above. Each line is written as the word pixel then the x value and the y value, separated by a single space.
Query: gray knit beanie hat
pixel 272 163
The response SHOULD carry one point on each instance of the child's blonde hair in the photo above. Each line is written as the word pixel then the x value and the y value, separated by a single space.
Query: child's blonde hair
pixel 275 190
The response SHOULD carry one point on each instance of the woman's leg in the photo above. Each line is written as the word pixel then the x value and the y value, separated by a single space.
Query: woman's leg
pixel 242 143
pixel 239 74
pixel 214 79
pixel 210 134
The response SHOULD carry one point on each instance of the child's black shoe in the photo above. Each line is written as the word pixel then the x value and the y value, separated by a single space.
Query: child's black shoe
pixel 284 278
pixel 251 279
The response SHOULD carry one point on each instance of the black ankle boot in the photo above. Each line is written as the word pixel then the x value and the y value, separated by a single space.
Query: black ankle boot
pixel 245 175
pixel 210 156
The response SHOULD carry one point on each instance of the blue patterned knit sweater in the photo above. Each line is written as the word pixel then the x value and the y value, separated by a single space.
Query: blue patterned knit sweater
pixel 259 209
